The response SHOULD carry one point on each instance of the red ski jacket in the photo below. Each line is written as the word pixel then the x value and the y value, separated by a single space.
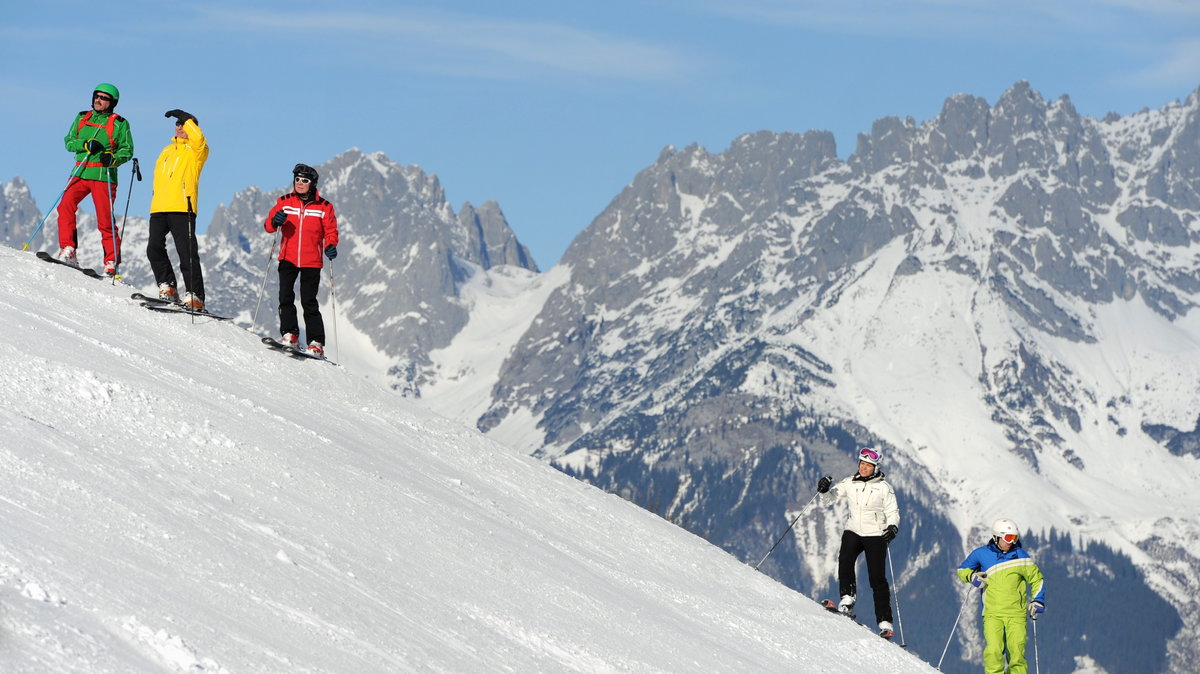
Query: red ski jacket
pixel 309 228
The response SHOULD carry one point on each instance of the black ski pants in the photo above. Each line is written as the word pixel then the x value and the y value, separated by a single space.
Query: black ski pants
pixel 852 546
pixel 310 281
pixel 182 228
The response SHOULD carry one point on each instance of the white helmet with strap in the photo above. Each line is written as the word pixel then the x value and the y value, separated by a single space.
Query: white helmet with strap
pixel 1005 527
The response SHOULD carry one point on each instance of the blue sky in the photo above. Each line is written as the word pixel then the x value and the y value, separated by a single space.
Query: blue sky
pixel 550 108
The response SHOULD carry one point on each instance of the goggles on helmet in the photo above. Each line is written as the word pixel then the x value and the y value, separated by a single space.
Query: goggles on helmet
pixel 868 453
pixel 1011 539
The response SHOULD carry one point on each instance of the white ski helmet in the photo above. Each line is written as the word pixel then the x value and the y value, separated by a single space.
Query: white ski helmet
pixel 1005 527
pixel 870 455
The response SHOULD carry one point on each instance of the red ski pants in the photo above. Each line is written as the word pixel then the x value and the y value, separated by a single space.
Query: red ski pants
pixel 103 195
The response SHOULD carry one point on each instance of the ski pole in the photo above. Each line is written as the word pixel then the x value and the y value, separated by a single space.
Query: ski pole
pixel 333 306
pixel 193 257
pixel 74 174
pixel 135 173
pixel 263 288
pixel 111 188
pixel 1037 666
pixel 785 531
pixel 953 629
pixel 899 620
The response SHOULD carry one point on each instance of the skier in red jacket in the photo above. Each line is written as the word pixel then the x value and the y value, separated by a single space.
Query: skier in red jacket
pixel 309 228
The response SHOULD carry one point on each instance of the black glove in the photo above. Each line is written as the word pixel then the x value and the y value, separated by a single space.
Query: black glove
pixel 93 146
pixel 889 534
pixel 106 159
pixel 279 219
pixel 179 115
pixel 331 251
pixel 823 484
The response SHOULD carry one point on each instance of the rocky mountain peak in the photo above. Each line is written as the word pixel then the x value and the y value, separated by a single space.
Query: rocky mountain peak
pixel 19 215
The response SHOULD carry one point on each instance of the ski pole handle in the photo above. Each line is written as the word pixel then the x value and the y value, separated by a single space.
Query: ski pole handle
pixel 137 170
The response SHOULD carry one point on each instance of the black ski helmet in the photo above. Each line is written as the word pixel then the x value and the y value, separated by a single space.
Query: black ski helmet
pixel 305 171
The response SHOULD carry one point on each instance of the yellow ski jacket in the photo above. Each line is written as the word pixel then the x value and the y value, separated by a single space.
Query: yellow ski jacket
pixel 177 173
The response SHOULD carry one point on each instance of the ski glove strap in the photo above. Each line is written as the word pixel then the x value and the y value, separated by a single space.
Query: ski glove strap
pixel 979 579
pixel 93 146
pixel 1036 608
pixel 106 159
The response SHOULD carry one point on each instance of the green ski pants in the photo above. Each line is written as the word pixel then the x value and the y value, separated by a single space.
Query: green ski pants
pixel 1004 633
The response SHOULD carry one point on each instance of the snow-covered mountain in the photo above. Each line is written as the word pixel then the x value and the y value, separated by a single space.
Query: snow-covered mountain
pixel 1000 297
pixel 177 498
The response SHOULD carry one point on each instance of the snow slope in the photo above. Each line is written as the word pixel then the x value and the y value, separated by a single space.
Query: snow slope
pixel 176 497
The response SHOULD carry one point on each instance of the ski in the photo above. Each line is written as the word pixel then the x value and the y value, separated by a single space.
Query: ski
pixel 43 255
pixel 832 607
pixel 153 300
pixel 293 351
pixel 169 308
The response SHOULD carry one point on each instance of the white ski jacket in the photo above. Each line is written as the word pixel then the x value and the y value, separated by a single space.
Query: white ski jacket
pixel 872 503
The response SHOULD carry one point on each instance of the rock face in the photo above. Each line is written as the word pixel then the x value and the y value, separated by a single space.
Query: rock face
pixel 19 215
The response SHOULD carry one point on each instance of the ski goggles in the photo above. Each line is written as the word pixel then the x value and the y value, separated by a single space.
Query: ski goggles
pixel 303 181
pixel 1008 538
pixel 868 453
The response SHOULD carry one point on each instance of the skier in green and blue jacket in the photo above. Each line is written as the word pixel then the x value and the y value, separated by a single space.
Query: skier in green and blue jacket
pixel 1006 575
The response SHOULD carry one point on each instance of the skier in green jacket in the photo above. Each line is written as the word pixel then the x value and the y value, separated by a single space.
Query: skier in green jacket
pixel 101 141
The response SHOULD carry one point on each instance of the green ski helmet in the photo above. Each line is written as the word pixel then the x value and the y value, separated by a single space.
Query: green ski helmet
pixel 106 88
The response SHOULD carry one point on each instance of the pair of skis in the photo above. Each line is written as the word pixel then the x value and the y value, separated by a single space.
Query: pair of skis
pixel 43 255
pixel 833 608
pixel 168 306
pixel 293 351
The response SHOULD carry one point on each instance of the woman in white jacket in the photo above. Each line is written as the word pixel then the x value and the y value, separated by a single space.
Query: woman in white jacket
pixel 873 522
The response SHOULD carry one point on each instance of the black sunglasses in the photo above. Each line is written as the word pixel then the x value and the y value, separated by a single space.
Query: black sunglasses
pixel 103 97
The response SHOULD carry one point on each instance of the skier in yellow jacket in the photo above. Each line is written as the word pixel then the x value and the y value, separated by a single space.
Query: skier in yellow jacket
pixel 173 209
